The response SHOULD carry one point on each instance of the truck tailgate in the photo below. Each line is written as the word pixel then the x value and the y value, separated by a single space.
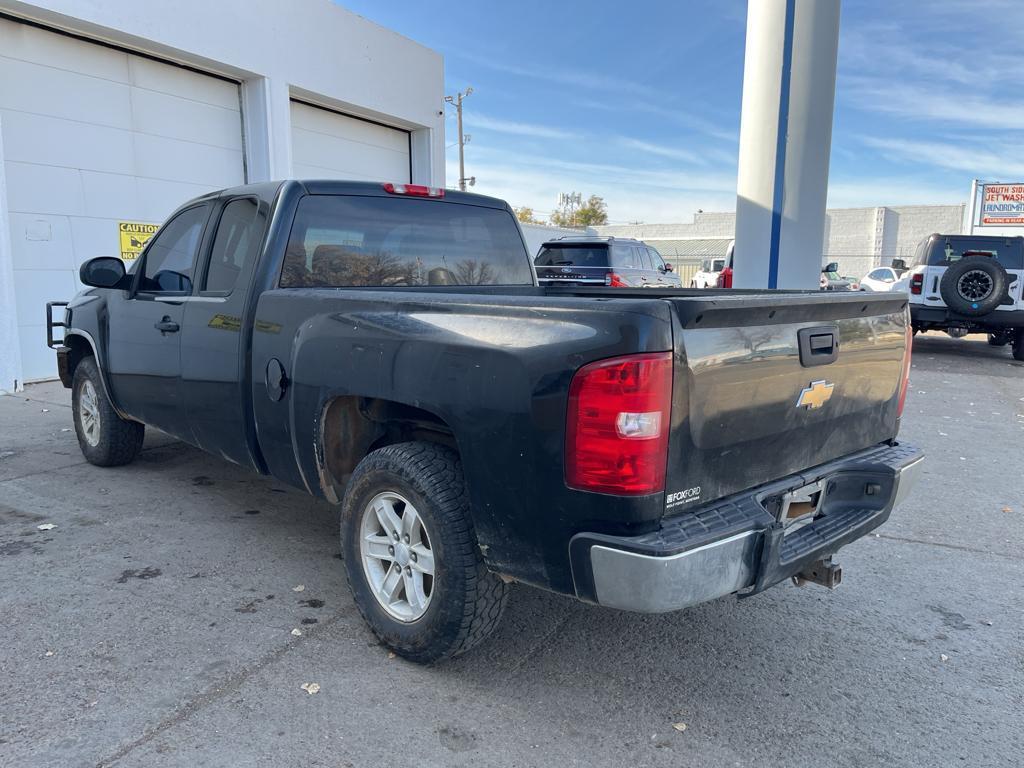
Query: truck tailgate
pixel 749 405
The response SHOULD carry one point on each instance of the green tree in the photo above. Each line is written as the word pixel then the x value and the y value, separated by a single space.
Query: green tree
pixel 525 214
pixel 593 211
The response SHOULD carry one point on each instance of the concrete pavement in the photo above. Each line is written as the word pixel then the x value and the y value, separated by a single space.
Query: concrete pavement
pixel 153 625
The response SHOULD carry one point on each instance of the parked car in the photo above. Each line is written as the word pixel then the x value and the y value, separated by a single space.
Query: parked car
pixel 613 261
pixel 707 275
pixel 387 348
pixel 964 284
pixel 883 278
pixel 831 280
pixel 724 279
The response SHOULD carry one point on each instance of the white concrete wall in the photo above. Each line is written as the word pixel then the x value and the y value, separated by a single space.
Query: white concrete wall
pixel 858 238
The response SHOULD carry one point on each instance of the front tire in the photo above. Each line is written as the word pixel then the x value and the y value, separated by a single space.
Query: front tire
pixel 105 438
pixel 411 554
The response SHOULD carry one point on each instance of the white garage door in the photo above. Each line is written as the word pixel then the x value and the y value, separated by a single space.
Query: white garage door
pixel 94 136
pixel 329 145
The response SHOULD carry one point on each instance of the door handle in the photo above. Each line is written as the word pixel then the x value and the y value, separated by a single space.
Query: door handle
pixel 167 326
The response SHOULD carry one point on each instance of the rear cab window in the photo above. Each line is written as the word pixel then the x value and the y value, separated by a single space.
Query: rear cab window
pixel 340 241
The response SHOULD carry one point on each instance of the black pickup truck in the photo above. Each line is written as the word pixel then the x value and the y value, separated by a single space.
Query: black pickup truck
pixel 387 348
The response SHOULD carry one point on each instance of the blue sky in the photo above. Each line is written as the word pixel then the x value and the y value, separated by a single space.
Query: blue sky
pixel 639 102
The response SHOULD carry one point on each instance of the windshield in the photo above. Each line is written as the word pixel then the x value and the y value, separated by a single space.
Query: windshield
pixel 572 256
pixel 346 240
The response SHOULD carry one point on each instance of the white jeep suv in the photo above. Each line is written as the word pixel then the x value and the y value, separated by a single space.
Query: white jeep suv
pixel 969 284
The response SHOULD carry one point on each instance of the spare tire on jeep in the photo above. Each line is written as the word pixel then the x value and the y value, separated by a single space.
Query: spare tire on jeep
pixel 974 286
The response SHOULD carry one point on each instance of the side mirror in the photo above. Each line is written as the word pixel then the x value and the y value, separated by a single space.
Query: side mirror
pixel 668 267
pixel 898 264
pixel 832 266
pixel 103 272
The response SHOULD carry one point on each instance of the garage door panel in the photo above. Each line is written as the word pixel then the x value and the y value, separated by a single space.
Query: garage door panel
pixel 94 136
pixel 35 287
pixel 37 360
pixel 193 120
pixel 30 44
pixel 47 140
pixel 35 188
pixel 329 145
pixel 90 237
pixel 159 197
pixel 343 156
pixel 41 242
pixel 329 123
pixel 110 195
pixel 174 160
pixel 313 146
pixel 177 81
pixel 27 87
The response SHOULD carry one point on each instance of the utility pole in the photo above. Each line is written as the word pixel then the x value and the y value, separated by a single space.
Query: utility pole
pixel 463 139
pixel 570 201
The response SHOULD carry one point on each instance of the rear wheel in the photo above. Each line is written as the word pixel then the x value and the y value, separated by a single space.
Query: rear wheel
pixel 105 438
pixel 411 554
pixel 1018 345
pixel 999 339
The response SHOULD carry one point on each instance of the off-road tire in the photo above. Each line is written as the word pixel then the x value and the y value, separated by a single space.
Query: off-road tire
pixel 119 441
pixel 1018 345
pixel 467 600
pixel 949 286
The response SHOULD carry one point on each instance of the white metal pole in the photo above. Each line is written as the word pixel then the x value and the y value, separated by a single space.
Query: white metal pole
pixel 10 342
pixel 789 81
pixel 971 213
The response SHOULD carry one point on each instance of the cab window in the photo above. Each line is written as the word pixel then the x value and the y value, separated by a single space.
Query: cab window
pixel 238 239
pixel 171 256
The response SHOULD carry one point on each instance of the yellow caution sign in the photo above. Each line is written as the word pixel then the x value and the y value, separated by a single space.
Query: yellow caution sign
pixel 134 236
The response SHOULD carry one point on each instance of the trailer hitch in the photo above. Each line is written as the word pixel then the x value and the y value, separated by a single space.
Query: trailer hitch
pixel 823 572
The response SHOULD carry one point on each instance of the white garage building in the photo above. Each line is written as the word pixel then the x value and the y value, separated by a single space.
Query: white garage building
pixel 117 112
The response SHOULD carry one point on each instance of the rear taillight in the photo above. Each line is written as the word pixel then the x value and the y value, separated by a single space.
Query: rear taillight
pixel 917 283
pixel 905 381
pixel 614 280
pixel 618 423
pixel 724 279
pixel 414 190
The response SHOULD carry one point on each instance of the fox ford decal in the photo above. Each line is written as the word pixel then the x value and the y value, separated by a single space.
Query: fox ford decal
pixel 676 498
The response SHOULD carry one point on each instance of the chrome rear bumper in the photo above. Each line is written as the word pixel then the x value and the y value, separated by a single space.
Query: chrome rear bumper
pixel 739 544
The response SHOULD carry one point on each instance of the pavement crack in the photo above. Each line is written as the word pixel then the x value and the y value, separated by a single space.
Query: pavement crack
pixel 537 646
pixel 229 685
pixel 943 545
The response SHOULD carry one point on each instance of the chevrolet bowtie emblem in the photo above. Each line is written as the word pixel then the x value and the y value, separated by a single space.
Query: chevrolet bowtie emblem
pixel 816 395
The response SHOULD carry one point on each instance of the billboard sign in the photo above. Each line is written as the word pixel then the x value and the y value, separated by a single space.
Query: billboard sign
pixel 1002 205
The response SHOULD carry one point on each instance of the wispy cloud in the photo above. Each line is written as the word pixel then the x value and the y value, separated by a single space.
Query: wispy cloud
pixel 631 193
pixel 922 102
pixel 475 120
pixel 673 153
pixel 684 118
pixel 995 161
pixel 590 80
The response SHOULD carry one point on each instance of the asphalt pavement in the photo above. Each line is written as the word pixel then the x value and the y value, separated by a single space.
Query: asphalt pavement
pixel 154 625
